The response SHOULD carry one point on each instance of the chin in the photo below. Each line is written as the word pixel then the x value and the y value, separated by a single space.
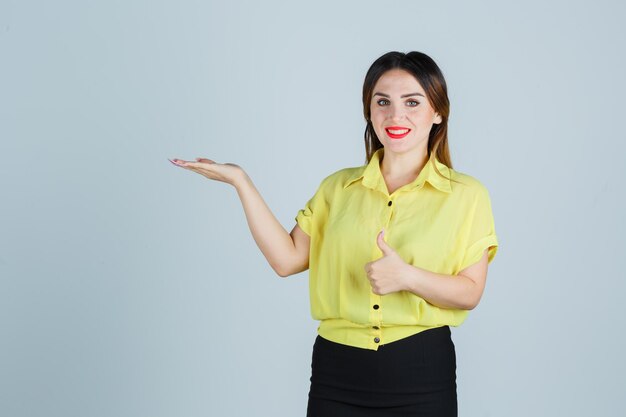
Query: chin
pixel 398 143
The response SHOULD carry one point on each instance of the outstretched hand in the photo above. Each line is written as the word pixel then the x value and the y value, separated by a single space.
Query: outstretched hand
pixel 228 173
pixel 388 273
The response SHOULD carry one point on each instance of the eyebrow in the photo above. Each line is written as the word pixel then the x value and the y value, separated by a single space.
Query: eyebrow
pixel 402 96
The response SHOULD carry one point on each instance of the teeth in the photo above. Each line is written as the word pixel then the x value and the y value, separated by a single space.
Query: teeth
pixel 397 132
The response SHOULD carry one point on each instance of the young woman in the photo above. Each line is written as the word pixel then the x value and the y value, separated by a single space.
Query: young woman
pixel 397 251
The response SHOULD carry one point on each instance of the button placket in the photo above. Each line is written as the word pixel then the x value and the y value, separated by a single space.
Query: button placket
pixel 375 309
pixel 389 212
pixel 376 334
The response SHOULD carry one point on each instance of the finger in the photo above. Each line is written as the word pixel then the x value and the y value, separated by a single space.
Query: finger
pixel 384 247
pixel 201 164
pixel 192 164
pixel 179 162
pixel 202 169
pixel 205 160
pixel 189 164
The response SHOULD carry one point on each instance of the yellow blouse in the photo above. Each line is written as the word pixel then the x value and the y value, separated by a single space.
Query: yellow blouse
pixel 432 223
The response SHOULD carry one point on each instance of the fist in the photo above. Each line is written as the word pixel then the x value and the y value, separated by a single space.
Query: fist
pixel 388 273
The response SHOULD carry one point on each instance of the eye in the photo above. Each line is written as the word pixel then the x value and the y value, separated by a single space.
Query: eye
pixel 381 102
pixel 413 103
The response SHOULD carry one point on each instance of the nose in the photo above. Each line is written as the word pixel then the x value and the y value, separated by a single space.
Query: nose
pixel 397 112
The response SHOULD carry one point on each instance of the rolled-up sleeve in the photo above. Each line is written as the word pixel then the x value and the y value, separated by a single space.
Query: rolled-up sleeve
pixel 304 218
pixel 314 210
pixel 481 231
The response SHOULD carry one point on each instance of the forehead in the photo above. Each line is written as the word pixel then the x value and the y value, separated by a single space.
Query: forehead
pixel 398 80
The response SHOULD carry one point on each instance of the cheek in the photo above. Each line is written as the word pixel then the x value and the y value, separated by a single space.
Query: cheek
pixel 421 117
pixel 374 110
pixel 378 115
pixel 375 117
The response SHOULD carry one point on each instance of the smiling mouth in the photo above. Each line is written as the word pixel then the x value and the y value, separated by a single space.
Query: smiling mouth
pixel 397 133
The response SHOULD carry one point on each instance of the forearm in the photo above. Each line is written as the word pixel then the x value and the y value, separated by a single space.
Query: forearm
pixel 270 236
pixel 442 290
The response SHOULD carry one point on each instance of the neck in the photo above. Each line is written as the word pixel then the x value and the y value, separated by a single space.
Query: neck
pixel 404 165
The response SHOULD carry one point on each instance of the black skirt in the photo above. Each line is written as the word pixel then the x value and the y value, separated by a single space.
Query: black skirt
pixel 414 376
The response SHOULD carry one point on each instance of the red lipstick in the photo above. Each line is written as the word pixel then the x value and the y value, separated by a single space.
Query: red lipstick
pixel 397 135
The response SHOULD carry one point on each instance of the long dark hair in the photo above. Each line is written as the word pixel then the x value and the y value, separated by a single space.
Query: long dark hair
pixel 430 77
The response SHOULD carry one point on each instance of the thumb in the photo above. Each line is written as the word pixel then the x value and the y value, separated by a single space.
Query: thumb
pixel 384 247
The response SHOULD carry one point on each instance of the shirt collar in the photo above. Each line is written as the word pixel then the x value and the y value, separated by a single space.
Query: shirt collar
pixel 373 178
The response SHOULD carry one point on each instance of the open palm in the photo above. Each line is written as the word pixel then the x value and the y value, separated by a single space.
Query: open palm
pixel 227 172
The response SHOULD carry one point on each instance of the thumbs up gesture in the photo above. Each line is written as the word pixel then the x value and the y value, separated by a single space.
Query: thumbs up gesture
pixel 388 273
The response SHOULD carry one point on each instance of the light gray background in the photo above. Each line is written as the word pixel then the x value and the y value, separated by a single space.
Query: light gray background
pixel 130 287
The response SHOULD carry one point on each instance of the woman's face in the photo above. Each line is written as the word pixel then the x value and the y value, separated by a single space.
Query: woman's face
pixel 401 114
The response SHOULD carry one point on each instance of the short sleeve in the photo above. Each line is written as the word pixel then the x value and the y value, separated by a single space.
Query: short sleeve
pixel 314 210
pixel 481 231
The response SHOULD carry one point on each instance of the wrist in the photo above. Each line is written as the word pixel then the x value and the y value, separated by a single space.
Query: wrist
pixel 412 277
pixel 241 180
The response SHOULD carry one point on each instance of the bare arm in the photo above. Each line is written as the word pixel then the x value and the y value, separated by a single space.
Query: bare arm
pixel 462 291
pixel 287 253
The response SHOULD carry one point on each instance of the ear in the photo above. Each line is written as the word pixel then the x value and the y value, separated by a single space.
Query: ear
pixel 437 119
